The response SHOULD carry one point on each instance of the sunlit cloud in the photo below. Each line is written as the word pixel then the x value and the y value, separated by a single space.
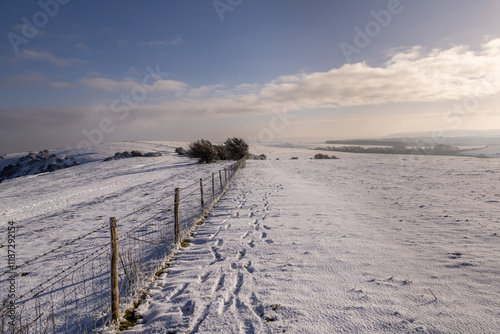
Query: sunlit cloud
pixel 175 41
pixel 60 85
pixel 108 85
pixel 412 76
pixel 45 56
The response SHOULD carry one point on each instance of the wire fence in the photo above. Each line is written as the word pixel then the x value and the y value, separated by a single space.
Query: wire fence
pixel 78 298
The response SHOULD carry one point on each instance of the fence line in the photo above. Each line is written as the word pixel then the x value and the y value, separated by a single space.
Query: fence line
pixel 78 298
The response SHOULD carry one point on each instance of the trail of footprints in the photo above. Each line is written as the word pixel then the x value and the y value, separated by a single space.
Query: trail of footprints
pixel 227 277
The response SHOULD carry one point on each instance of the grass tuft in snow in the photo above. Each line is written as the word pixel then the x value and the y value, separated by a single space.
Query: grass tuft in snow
pixel 130 315
pixel 185 243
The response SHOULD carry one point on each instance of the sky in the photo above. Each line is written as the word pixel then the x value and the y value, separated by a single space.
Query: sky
pixel 78 73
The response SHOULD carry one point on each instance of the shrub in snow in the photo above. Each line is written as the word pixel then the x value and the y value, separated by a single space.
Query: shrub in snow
pixel 324 156
pixel 126 154
pixel 8 171
pixel 203 150
pixel 136 154
pixel 153 154
pixel 257 157
pixel 35 163
pixel 180 151
pixel 236 148
pixel 221 152
pixel 295 158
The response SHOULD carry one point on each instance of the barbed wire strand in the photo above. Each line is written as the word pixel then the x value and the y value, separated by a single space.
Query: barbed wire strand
pixel 146 206
pixel 61 272
pixel 67 243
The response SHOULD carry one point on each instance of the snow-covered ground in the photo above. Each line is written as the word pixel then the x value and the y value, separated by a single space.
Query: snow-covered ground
pixel 487 152
pixel 52 211
pixel 362 244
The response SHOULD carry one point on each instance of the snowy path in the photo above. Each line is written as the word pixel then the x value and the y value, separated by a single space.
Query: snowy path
pixel 330 247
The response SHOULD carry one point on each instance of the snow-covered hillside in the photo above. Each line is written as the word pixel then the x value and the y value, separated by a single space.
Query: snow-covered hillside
pixel 362 244
pixel 52 211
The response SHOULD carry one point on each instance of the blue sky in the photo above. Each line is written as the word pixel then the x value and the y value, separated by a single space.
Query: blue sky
pixel 101 71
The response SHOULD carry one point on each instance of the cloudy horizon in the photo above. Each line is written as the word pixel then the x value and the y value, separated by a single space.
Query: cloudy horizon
pixel 76 74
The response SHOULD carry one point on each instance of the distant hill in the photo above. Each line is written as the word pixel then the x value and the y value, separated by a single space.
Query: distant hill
pixel 379 142
pixel 450 137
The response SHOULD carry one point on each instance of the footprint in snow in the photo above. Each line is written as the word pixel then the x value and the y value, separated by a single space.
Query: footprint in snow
pixel 203 277
pixel 249 267
pixel 238 282
pixel 246 327
pixel 178 292
pixel 219 283
pixel 241 253
pixel 215 254
pixel 212 236
pixel 257 306
pixel 225 302
pixel 188 308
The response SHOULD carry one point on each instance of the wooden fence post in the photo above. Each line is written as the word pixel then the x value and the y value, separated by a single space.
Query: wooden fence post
pixel 202 199
pixel 213 187
pixel 176 216
pixel 115 293
pixel 220 177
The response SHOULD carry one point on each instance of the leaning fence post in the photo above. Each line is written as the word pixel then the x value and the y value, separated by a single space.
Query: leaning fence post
pixel 213 187
pixel 176 215
pixel 115 294
pixel 220 177
pixel 202 199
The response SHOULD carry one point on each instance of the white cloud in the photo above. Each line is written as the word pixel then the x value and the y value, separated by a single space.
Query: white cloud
pixel 437 77
pixel 60 85
pixel 409 76
pixel 109 85
pixel 29 78
pixel 48 57
pixel 175 41
pixel 202 91
pixel 82 47
pixel 167 86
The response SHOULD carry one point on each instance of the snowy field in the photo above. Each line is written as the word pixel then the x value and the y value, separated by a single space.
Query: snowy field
pixel 53 210
pixel 362 244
